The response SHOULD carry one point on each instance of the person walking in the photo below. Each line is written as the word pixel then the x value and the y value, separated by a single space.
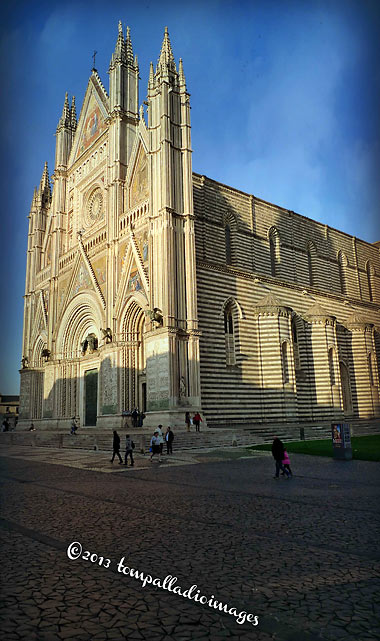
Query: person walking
pixel 286 464
pixel 155 446
pixel 197 421
pixel 187 421
pixel 169 438
pixel 116 447
pixel 129 447
pixel 278 455
pixel 160 436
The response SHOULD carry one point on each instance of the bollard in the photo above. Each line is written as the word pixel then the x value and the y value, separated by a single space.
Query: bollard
pixel 302 433
pixel 142 445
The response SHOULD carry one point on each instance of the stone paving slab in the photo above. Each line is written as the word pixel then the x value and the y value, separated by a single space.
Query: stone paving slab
pixel 99 461
pixel 302 554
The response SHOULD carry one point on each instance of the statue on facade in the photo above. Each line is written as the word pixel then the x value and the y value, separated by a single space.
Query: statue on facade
pixel 46 354
pixel 156 316
pixel 107 335
pixel 24 362
pixel 90 344
pixel 182 387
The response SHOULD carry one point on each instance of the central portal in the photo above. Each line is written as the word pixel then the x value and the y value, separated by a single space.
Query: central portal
pixel 90 397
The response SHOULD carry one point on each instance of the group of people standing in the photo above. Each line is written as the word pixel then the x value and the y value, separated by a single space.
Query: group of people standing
pixel 157 442
pixel 193 420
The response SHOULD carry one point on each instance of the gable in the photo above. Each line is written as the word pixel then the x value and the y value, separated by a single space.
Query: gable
pixel 91 121
pixel 139 186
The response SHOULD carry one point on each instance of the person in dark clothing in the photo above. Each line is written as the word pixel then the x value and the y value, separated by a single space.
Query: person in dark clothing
pixel 116 447
pixel 129 445
pixel 135 417
pixel 278 455
pixel 169 438
pixel 197 421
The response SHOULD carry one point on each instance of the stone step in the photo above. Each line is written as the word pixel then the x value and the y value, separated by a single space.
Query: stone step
pixel 92 439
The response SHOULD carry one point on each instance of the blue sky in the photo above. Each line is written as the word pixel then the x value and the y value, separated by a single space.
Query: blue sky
pixel 285 100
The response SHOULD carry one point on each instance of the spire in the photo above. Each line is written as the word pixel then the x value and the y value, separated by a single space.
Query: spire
pixel 128 47
pixel 44 190
pixel 182 80
pixel 34 199
pixel 119 54
pixel 166 59
pixel 73 115
pixel 151 76
pixel 64 120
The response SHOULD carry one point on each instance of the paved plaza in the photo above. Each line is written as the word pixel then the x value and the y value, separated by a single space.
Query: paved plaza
pixel 301 555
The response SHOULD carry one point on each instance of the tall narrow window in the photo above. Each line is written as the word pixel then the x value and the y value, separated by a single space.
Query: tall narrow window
pixel 370 369
pixel 229 337
pixel 227 232
pixel 342 262
pixel 331 366
pixel 296 352
pixel 285 363
pixel 310 266
pixel 274 250
pixel 369 270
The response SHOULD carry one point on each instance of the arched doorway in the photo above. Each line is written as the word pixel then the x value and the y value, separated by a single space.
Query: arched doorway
pixel 346 389
pixel 134 358
pixel 77 347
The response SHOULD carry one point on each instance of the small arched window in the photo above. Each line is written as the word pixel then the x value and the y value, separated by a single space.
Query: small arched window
pixel 229 335
pixel 285 362
pixel 310 266
pixel 342 263
pixel 331 366
pixel 227 235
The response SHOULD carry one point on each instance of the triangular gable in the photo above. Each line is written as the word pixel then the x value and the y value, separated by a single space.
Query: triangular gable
pixel 133 277
pixel 138 175
pixel 46 246
pixel 79 280
pixel 40 318
pixel 99 266
pixel 92 119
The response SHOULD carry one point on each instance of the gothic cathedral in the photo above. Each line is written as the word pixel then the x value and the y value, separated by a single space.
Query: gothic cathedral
pixel 149 286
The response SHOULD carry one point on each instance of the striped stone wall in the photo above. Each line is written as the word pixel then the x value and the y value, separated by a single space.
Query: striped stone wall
pixel 312 293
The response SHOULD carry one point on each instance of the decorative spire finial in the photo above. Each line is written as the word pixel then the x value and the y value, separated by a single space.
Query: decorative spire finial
pixel 73 114
pixel 166 58
pixel 128 47
pixel 45 189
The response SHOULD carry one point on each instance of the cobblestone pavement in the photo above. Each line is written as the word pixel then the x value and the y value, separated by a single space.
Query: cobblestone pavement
pixel 302 555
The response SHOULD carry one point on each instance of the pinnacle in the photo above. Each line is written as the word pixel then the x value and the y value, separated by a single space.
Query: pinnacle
pixel 45 181
pixel 73 114
pixel 64 120
pixel 128 47
pixel 166 58
pixel 119 53
pixel 181 73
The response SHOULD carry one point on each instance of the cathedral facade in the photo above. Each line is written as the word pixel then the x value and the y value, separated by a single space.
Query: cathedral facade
pixel 149 286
